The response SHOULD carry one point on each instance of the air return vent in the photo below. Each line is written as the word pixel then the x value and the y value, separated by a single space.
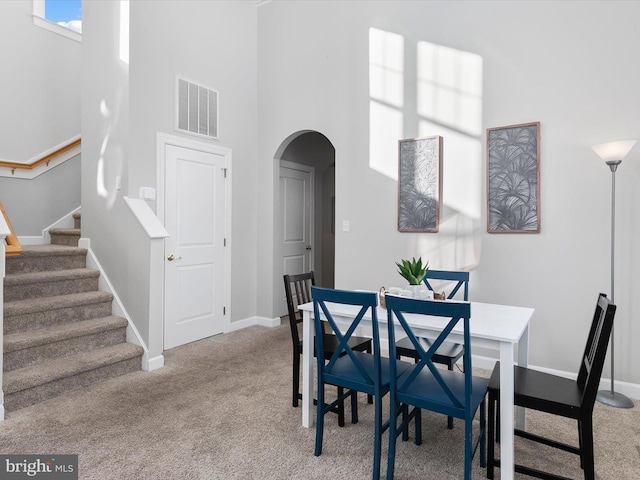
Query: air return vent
pixel 196 109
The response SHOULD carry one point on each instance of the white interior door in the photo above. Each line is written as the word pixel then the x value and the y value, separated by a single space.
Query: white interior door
pixel 296 211
pixel 195 249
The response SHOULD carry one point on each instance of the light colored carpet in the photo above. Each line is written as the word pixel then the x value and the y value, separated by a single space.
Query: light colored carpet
pixel 220 409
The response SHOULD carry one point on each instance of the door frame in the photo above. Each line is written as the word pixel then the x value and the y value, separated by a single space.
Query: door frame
pixel 164 140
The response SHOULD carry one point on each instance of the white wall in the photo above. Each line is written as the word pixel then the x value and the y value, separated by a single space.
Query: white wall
pixel 212 43
pixel 39 84
pixel 568 65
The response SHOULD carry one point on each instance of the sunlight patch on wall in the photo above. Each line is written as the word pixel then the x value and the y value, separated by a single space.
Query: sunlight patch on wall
pixel 124 31
pixel 424 90
pixel 386 92
pixel 111 158
pixel 450 87
pixel 386 67
pixel 462 167
pixel 449 103
pixel 445 91
pixel 385 128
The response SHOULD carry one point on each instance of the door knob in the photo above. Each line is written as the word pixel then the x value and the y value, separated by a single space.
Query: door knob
pixel 308 247
pixel 171 257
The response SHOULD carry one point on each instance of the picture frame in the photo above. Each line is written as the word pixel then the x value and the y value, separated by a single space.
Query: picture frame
pixel 513 178
pixel 419 184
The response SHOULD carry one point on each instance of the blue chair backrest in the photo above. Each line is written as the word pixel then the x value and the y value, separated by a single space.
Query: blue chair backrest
pixel 366 301
pixel 455 312
pixel 462 279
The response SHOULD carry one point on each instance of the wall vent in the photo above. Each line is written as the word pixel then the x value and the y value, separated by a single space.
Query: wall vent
pixel 196 109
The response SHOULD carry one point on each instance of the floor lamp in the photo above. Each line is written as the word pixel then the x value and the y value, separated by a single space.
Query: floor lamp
pixel 613 153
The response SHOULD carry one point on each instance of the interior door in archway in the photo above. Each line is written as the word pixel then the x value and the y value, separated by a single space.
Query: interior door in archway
pixel 296 210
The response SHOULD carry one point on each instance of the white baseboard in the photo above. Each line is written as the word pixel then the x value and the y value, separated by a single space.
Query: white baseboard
pixel 252 321
pixel 268 322
pixel 152 364
pixel 32 240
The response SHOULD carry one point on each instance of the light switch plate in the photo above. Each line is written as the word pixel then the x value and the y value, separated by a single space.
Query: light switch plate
pixel 147 193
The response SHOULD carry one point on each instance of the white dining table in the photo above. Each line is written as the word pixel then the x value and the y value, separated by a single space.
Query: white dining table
pixel 496 327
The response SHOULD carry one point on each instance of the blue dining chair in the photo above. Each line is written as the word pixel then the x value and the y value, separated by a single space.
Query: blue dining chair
pixel 423 385
pixel 354 370
pixel 449 352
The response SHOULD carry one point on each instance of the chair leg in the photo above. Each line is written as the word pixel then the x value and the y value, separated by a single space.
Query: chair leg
pixel 497 400
pixel 468 446
pixel 405 422
pixel 483 432
pixel 391 454
pixel 586 443
pixel 296 378
pixel 492 437
pixel 369 397
pixel 580 445
pixel 319 419
pixel 340 408
pixel 354 406
pixel 450 419
pixel 377 437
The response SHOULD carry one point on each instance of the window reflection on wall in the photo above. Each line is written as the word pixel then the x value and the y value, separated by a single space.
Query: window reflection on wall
pixel 422 89
pixel 449 103
pixel 386 92
pixel 450 87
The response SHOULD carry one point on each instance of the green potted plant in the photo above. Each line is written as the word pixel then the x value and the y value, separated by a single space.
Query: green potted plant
pixel 413 271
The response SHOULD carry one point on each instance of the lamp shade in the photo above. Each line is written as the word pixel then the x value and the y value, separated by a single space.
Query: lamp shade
pixel 612 151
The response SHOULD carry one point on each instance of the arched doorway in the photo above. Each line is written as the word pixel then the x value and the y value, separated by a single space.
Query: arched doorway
pixel 295 252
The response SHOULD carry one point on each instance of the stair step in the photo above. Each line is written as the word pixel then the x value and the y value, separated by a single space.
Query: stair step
pixel 59 331
pixel 29 385
pixel 37 258
pixel 65 236
pixel 27 348
pixel 45 312
pixel 22 286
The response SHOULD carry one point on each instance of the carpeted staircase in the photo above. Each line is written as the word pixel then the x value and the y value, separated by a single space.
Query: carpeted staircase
pixel 59 333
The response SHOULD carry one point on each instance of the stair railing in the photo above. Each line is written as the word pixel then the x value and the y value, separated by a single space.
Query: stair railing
pixel 13 246
pixel 45 159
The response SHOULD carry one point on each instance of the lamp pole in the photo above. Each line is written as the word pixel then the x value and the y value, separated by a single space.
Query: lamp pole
pixel 611 397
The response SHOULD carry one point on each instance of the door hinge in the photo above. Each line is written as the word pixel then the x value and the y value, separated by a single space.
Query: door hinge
pixel 224 244
pixel 224 310
pixel 224 170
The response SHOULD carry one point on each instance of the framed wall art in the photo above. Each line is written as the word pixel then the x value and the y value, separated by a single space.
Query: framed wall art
pixel 513 179
pixel 419 184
